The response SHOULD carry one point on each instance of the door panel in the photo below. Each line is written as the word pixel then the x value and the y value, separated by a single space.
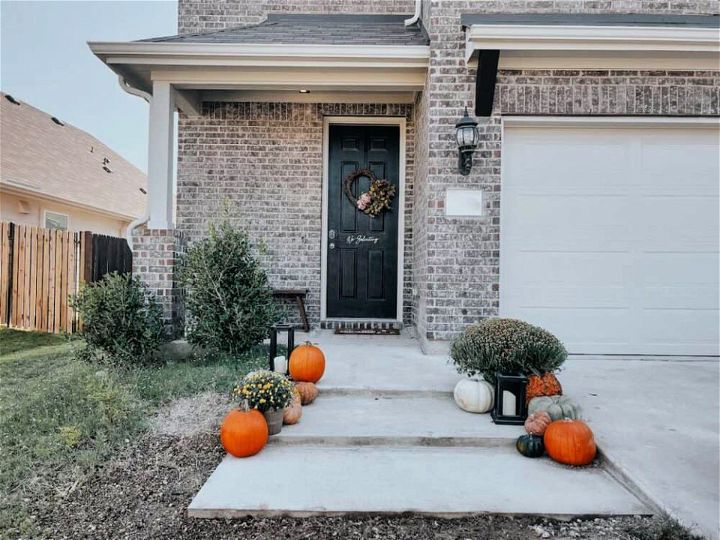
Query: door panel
pixel 362 253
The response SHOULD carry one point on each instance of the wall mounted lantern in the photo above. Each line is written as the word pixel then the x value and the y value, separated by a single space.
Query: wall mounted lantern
pixel 467 136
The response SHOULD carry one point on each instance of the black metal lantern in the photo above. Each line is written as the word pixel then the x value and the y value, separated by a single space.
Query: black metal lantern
pixel 467 137
pixel 510 407
pixel 272 353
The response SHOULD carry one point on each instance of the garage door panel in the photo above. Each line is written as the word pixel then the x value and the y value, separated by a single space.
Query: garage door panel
pixel 683 297
pixel 685 269
pixel 688 326
pixel 685 229
pixel 589 221
pixel 673 165
pixel 575 176
pixel 567 268
pixel 609 237
pixel 563 297
pixel 590 329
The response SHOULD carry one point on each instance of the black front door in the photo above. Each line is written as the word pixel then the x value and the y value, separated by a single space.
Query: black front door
pixel 362 250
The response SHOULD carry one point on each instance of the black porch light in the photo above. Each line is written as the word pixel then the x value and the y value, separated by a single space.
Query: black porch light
pixel 510 406
pixel 467 136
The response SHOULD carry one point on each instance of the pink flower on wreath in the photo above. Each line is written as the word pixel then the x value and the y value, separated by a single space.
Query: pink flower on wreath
pixel 364 201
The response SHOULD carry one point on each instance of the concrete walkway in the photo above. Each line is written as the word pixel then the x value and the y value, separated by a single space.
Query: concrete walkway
pixel 657 422
pixel 385 436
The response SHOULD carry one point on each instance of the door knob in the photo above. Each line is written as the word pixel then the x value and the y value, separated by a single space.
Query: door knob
pixel 331 245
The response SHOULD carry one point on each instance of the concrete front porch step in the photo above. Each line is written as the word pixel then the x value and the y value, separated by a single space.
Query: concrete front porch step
pixel 393 420
pixel 307 480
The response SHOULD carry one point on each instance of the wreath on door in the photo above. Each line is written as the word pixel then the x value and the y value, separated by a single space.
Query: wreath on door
pixel 375 200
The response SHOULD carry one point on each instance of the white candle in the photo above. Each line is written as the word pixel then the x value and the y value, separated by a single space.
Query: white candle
pixel 280 364
pixel 508 404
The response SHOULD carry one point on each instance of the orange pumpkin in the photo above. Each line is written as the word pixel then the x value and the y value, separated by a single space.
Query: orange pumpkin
pixel 542 385
pixel 293 412
pixel 244 433
pixel 537 423
pixel 307 363
pixel 308 392
pixel 570 442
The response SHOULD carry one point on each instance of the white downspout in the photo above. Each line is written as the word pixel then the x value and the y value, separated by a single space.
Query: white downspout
pixel 416 17
pixel 146 216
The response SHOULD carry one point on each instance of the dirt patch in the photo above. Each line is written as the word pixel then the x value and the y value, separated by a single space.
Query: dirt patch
pixel 144 493
pixel 192 415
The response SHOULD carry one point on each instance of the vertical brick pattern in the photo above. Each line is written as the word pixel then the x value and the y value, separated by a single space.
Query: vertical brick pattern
pixel 211 15
pixel 264 163
pixel 155 257
pixel 459 281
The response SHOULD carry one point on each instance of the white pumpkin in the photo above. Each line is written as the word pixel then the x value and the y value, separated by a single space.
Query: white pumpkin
pixel 474 395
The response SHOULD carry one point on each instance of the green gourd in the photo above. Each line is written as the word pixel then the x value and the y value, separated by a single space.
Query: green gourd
pixel 558 407
pixel 530 446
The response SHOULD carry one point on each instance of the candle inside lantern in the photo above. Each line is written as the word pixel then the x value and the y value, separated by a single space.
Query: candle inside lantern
pixel 509 403
pixel 280 363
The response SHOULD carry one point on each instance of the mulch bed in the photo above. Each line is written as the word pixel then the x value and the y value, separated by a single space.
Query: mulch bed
pixel 145 490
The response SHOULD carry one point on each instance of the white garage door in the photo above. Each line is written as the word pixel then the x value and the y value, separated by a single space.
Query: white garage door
pixel 609 236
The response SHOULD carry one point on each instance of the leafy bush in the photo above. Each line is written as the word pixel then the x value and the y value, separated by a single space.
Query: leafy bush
pixel 506 346
pixel 229 305
pixel 122 321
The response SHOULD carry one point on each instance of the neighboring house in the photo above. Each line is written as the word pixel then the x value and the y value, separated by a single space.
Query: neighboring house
pixel 591 206
pixel 57 176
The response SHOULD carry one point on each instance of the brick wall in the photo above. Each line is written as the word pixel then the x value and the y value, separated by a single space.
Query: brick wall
pixel 267 159
pixel 155 256
pixel 462 255
pixel 455 261
pixel 209 15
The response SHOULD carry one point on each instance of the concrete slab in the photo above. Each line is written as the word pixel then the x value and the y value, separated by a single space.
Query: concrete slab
pixel 440 481
pixel 380 363
pixel 379 419
pixel 657 422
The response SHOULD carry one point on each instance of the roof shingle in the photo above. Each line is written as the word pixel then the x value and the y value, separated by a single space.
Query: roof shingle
pixel 315 30
pixel 60 160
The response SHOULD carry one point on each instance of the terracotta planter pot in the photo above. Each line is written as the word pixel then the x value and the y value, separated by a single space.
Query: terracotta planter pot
pixel 274 421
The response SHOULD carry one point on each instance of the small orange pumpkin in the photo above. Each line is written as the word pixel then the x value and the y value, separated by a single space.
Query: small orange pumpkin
pixel 570 442
pixel 293 412
pixel 542 385
pixel 307 363
pixel 308 392
pixel 244 433
pixel 537 423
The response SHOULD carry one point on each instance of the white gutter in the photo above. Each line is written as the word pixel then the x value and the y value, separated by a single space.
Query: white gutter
pixel 416 17
pixel 146 216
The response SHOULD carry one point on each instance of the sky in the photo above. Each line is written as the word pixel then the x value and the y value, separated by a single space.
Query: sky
pixel 45 62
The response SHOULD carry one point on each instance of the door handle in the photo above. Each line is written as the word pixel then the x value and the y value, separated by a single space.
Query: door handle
pixel 331 245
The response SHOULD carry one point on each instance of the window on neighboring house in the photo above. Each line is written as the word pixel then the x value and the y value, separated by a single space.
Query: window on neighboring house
pixel 54 220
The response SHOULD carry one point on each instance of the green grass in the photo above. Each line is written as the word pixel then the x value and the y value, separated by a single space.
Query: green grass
pixel 58 413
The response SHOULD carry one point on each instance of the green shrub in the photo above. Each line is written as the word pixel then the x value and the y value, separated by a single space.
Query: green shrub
pixel 229 305
pixel 122 321
pixel 506 346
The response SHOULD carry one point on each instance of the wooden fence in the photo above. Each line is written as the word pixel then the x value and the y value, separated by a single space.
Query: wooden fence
pixel 41 268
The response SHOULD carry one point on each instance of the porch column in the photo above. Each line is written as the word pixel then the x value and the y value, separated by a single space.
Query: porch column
pixel 160 157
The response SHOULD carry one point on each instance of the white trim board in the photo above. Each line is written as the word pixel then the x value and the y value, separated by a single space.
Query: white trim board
pixel 364 120
pixel 597 47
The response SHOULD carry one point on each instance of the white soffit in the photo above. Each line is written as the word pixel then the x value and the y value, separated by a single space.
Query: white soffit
pixel 236 66
pixel 534 46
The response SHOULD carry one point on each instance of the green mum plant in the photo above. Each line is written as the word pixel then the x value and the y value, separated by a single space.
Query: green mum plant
pixel 265 390
pixel 506 346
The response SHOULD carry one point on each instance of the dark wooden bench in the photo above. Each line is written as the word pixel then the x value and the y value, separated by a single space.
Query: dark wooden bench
pixel 299 296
